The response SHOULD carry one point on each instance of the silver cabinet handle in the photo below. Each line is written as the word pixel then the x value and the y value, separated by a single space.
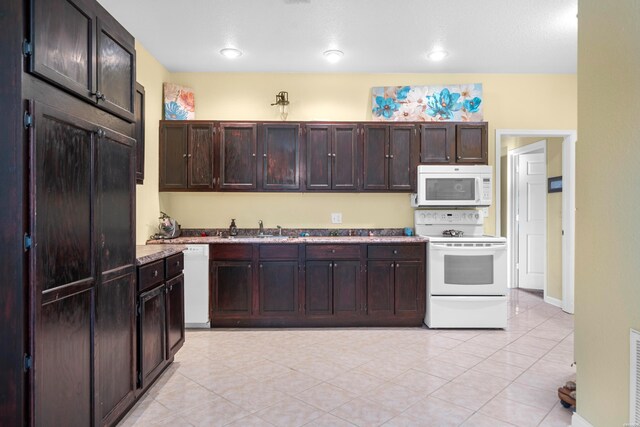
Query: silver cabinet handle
pixel 155 273
pixel 329 154
pixel 253 154
pixel 395 251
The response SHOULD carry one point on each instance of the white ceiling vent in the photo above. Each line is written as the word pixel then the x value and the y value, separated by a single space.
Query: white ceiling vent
pixel 634 381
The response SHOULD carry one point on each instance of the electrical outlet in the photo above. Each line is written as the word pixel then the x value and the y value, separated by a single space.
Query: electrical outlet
pixel 485 212
pixel 336 218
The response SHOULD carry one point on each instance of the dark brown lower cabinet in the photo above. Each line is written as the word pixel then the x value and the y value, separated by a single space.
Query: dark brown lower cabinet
pixel 332 288
pixel 278 292
pixel 151 335
pixel 317 284
pixel 160 317
pixel 175 315
pixel 231 283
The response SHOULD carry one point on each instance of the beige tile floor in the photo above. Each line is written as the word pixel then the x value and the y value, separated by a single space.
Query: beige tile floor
pixel 370 376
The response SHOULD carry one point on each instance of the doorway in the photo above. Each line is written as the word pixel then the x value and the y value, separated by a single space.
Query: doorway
pixel 565 202
pixel 527 205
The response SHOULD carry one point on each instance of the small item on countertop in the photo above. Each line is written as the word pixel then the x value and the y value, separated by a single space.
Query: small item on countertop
pixel 370 232
pixel 203 234
pixel 408 231
pixel 304 234
pixel 168 227
pixel 233 230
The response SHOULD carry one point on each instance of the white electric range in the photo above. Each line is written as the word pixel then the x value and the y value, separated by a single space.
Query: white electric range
pixel 466 270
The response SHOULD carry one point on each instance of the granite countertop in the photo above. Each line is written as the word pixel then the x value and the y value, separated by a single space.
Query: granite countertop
pixel 149 253
pixel 313 239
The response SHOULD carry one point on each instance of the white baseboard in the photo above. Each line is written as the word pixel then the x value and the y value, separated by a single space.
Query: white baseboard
pixel 553 301
pixel 578 421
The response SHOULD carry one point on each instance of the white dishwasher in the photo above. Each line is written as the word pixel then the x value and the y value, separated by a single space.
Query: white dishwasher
pixel 196 286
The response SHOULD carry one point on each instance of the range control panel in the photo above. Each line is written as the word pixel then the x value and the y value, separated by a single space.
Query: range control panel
pixel 453 217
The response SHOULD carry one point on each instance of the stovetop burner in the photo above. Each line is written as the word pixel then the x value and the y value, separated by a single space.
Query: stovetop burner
pixel 453 233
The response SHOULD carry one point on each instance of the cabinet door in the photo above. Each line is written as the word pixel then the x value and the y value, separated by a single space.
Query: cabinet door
pixel 115 347
pixel 139 132
pixel 151 335
pixel 471 143
pixel 231 283
pixel 318 157
pixel 173 156
pixel 280 157
pixel 62 33
pixel 319 288
pixel 344 157
pixel 376 164
pixel 380 288
pixel 346 286
pixel 116 68
pixel 238 156
pixel 401 163
pixel 175 315
pixel 200 156
pixel 278 288
pixel 63 257
pixel 409 288
pixel 115 294
pixel 437 143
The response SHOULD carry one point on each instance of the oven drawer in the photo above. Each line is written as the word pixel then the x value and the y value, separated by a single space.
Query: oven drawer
pixel 466 312
pixel 395 251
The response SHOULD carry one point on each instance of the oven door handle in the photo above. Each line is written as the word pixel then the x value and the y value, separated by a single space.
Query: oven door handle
pixel 491 246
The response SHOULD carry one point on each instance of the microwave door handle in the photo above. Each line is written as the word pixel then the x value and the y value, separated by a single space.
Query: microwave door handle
pixel 478 189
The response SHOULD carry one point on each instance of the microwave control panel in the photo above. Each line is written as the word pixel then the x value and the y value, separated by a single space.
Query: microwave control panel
pixel 486 189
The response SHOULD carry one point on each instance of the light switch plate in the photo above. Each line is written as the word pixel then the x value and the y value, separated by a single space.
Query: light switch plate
pixel 336 218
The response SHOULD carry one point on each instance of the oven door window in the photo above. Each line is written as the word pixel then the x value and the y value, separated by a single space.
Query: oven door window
pixel 450 189
pixel 468 269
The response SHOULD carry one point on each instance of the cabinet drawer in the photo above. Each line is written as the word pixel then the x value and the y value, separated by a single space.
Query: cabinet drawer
pixel 230 252
pixel 174 265
pixel 278 251
pixel 333 251
pixel 150 274
pixel 395 251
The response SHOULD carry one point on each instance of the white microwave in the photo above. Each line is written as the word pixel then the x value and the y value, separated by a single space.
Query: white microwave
pixel 453 185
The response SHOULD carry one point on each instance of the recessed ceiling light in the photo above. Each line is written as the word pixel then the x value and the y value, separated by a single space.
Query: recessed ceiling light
pixel 230 52
pixel 437 55
pixel 333 55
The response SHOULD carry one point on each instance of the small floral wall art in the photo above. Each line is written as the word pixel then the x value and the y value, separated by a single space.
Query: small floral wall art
pixel 179 102
pixel 456 103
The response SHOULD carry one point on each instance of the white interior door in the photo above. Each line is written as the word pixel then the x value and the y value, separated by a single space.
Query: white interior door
pixel 531 220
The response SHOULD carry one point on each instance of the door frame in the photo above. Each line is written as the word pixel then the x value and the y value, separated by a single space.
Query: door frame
pixel 570 138
pixel 512 237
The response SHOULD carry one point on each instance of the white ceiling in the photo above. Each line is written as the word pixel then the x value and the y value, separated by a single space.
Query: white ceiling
pixel 376 36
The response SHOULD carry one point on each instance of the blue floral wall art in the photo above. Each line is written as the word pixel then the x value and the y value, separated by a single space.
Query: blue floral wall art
pixel 456 103
pixel 179 102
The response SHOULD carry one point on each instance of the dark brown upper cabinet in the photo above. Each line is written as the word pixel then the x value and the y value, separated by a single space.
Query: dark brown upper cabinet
pixel 186 155
pixel 449 143
pixel 139 132
pixel 437 143
pixel 280 149
pixel 238 148
pixel 79 47
pixel 472 143
pixel 390 157
pixel 332 153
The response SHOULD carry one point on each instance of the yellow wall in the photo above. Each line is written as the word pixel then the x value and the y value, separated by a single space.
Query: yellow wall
pixel 607 294
pixel 554 206
pixel 511 101
pixel 150 74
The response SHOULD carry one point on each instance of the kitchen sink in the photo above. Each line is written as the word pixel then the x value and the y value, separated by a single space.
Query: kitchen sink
pixel 263 236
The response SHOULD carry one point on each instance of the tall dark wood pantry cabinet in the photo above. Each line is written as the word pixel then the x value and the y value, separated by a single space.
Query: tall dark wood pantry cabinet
pixel 68 171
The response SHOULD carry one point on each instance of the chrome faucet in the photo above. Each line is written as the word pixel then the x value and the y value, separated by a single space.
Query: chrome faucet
pixel 279 230
pixel 261 232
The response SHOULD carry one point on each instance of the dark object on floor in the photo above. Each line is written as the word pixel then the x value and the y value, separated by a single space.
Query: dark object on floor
pixel 567 395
